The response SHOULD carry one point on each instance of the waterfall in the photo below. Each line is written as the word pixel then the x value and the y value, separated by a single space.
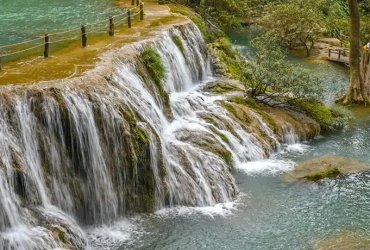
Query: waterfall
pixel 89 150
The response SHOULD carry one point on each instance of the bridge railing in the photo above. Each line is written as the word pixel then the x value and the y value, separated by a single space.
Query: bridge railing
pixel 54 41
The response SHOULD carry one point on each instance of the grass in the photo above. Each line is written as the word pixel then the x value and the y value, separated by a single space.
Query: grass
pixel 327 173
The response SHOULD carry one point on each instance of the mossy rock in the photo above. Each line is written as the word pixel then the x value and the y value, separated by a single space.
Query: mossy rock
pixel 177 40
pixel 348 240
pixel 317 111
pixel 223 87
pixel 328 173
pixel 325 166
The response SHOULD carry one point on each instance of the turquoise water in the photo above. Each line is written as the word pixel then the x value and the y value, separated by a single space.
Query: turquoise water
pixel 273 214
pixel 25 20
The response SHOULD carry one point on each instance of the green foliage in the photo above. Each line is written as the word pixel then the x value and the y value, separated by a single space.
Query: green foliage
pixel 272 80
pixel 293 24
pixel 328 173
pixel 341 115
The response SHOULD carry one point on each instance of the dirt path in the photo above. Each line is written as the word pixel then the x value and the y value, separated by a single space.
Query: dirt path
pixel 74 60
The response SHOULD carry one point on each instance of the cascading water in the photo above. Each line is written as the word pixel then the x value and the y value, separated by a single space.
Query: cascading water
pixel 89 151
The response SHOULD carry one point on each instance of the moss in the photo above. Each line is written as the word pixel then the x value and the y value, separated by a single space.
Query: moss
pixel 197 20
pixel 177 40
pixel 222 152
pixel 221 135
pixel 243 117
pixel 252 103
pixel 140 135
pixel 317 111
pixel 238 100
pixel 153 62
pixel 224 87
pixel 62 236
pixel 328 173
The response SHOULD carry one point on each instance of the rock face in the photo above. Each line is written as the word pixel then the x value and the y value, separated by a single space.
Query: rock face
pixel 325 163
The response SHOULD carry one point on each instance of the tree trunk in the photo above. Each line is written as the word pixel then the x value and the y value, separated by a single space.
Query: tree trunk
pixel 357 91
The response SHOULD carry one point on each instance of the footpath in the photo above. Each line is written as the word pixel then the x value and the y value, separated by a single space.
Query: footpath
pixel 74 60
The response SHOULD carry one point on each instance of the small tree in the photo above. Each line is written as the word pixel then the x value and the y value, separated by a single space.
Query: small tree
pixel 293 24
pixel 272 80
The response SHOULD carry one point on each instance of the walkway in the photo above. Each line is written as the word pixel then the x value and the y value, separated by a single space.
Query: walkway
pixel 331 50
pixel 74 60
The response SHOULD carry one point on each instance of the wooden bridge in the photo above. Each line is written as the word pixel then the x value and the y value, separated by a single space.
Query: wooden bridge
pixel 338 54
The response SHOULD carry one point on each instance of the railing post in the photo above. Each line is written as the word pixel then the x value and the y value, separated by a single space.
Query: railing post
pixel 141 11
pixel 111 26
pixel 129 18
pixel 329 52
pixel 46 46
pixel 338 54
pixel 132 2
pixel 1 67
pixel 137 2
pixel 83 35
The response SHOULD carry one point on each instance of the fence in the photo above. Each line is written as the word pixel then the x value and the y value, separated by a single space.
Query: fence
pixel 55 41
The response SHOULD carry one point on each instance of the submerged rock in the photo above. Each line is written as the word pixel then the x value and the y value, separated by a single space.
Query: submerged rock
pixel 326 166
pixel 345 240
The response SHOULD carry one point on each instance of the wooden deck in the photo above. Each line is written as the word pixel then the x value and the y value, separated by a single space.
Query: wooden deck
pixel 338 54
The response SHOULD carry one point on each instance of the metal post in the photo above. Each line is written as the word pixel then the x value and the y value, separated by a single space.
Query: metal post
pixel 111 26
pixel 137 2
pixel 338 54
pixel 129 18
pixel 83 35
pixel 1 68
pixel 46 46
pixel 141 11
pixel 329 52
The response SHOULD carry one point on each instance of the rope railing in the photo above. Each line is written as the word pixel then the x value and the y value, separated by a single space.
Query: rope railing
pixel 71 34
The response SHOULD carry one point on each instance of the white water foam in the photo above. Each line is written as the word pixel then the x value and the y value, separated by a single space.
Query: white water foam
pixel 221 209
pixel 267 166
pixel 110 237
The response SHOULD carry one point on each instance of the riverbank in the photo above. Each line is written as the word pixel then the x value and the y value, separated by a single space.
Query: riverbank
pixel 74 60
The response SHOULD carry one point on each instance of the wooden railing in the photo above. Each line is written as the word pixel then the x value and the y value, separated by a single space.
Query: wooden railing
pixel 30 47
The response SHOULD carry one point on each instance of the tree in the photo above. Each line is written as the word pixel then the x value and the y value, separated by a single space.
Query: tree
pixel 357 90
pixel 294 24
pixel 272 80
